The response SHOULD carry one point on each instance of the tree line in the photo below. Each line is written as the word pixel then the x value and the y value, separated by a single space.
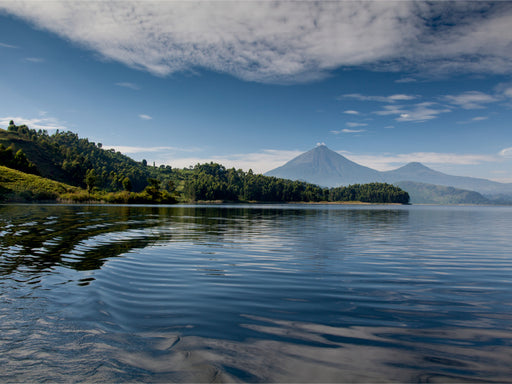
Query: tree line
pixel 65 157
pixel 214 182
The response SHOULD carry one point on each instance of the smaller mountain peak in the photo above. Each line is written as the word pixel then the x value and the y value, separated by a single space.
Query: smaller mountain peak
pixel 415 164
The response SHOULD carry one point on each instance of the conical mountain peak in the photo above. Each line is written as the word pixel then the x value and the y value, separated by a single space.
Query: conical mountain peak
pixel 326 167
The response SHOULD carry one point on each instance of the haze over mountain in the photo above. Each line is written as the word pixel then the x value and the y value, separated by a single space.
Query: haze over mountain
pixel 328 168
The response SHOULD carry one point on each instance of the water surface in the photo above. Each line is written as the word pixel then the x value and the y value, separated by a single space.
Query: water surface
pixel 255 293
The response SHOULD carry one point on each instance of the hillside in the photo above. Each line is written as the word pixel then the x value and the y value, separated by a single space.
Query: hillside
pixel 422 193
pixel 19 186
pixel 67 158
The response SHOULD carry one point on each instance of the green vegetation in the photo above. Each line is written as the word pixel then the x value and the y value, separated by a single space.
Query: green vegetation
pixel 422 193
pixel 370 193
pixel 16 160
pixel 215 182
pixel 65 157
pixel 19 186
pixel 22 187
pixel 88 173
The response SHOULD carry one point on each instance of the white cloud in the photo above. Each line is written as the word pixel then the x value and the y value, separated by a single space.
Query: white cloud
pixel 34 59
pixel 507 152
pixel 268 159
pixel 351 112
pixel 126 149
pixel 470 100
pixel 348 131
pixel 477 118
pixel 3 45
pixel 476 42
pixel 382 99
pixel 386 162
pixel 353 125
pixel 406 80
pixel 45 123
pixel 133 86
pixel 145 117
pixel 259 162
pixel 353 130
pixel 417 112
pixel 271 41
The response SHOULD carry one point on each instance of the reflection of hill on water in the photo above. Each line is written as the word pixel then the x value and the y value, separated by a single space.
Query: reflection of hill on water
pixel 38 237
pixel 35 238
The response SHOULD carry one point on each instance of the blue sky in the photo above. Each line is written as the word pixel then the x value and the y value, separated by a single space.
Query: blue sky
pixel 253 84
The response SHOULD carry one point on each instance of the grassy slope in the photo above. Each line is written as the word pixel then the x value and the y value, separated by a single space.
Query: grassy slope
pixel 19 186
pixel 35 153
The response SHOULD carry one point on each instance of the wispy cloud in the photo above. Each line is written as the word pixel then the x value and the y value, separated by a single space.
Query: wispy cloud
pixel 353 125
pixel 506 152
pixel 470 100
pixel 352 130
pixel 259 162
pixel 126 149
pixel 3 45
pixel 133 86
pixel 386 162
pixel 415 113
pixel 43 122
pixel 145 117
pixel 474 119
pixel 351 112
pixel 346 130
pixel 283 41
pixel 34 59
pixel 406 80
pixel 268 159
pixel 382 99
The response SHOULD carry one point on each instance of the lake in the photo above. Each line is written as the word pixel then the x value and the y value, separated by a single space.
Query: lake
pixel 255 293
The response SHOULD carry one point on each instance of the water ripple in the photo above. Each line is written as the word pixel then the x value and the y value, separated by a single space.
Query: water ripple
pixel 251 294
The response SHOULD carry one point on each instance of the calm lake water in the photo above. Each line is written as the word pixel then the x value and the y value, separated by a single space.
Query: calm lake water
pixel 255 293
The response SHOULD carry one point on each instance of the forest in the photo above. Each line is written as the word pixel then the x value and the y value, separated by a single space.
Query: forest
pixel 107 175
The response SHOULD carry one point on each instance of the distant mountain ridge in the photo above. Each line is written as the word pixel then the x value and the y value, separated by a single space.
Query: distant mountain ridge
pixel 423 193
pixel 420 173
pixel 325 167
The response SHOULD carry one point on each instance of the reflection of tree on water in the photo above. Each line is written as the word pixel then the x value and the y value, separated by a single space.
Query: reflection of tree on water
pixel 35 238
pixel 38 237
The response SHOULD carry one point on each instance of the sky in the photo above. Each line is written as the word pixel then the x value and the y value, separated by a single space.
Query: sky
pixel 253 84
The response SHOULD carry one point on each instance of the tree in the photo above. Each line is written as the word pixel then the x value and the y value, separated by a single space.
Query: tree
pixel 127 184
pixel 90 179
